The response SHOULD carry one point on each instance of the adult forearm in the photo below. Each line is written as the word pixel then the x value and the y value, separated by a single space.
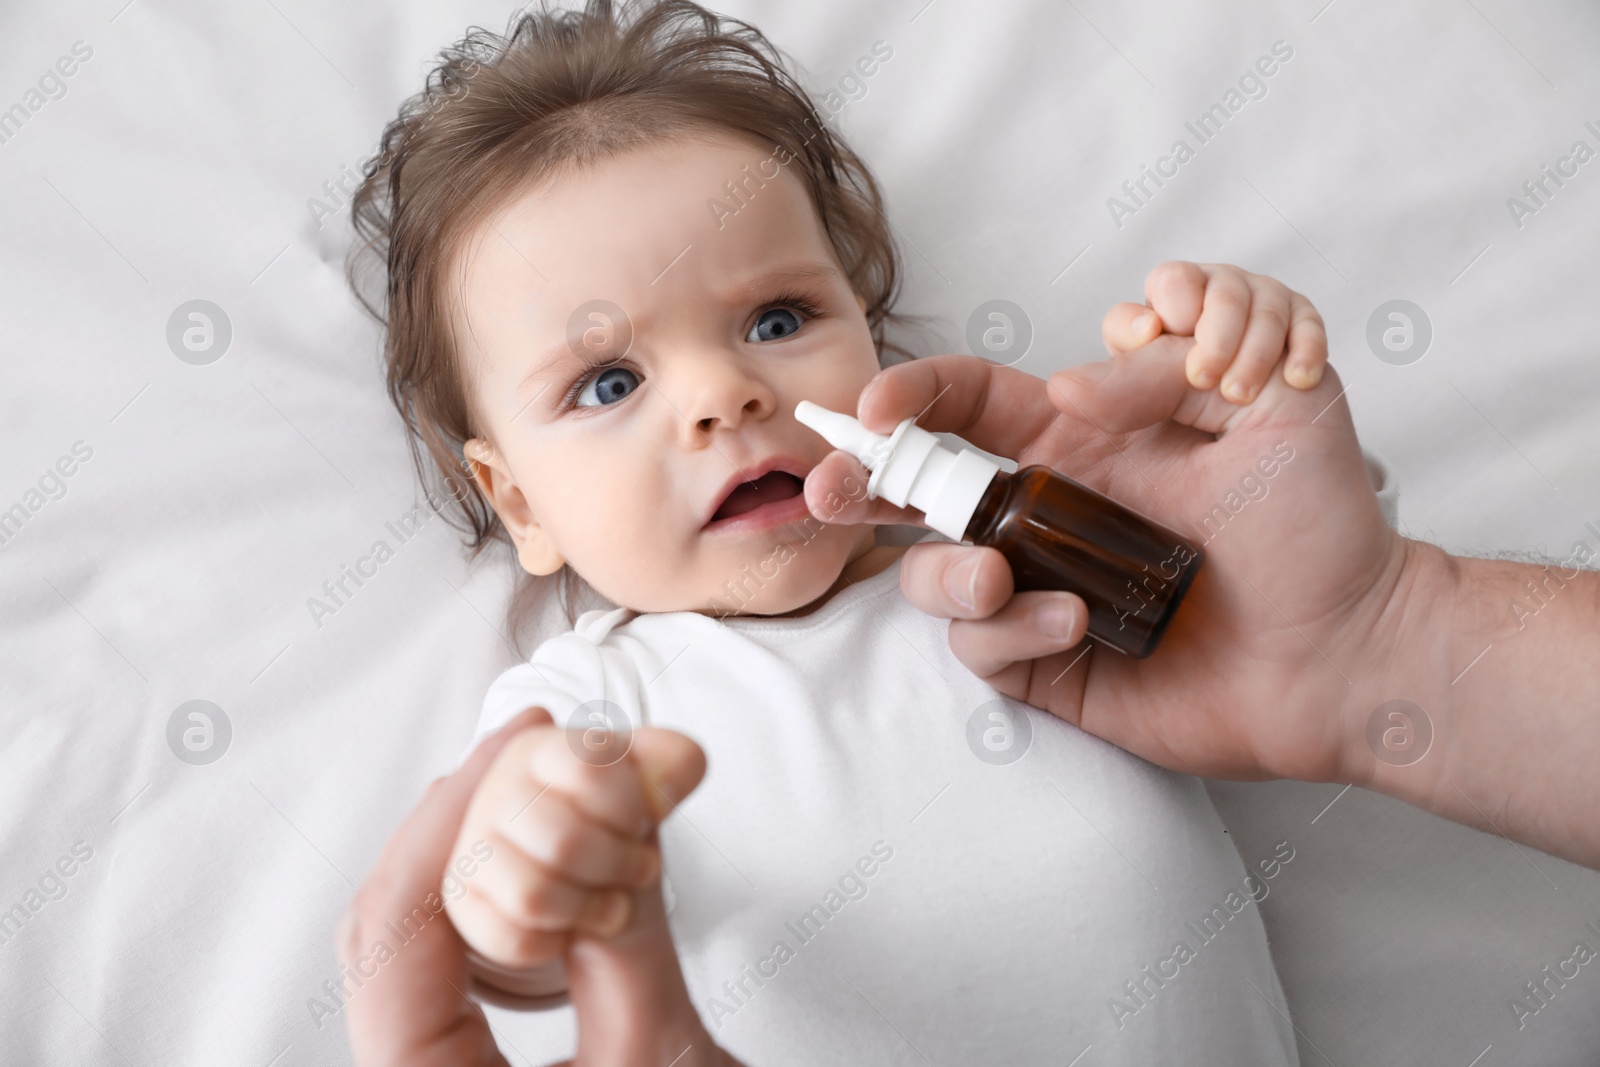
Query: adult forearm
pixel 1503 661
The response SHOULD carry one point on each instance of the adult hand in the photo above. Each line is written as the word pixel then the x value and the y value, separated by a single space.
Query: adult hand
pixel 1257 674
pixel 627 990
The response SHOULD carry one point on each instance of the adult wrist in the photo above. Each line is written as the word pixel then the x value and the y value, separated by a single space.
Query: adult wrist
pixel 1396 723
pixel 1496 657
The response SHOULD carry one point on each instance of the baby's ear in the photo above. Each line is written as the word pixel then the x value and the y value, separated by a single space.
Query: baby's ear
pixel 487 469
pixel 538 554
pixel 481 462
pixel 535 550
pixel 863 302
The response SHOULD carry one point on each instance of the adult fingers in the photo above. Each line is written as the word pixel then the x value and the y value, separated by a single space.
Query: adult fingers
pixel 631 1002
pixel 672 766
pixel 836 492
pixel 1138 389
pixel 627 989
pixel 1029 626
pixel 999 409
pixel 1145 387
pixel 952 581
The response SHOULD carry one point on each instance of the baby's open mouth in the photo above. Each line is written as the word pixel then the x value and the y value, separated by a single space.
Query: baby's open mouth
pixel 771 487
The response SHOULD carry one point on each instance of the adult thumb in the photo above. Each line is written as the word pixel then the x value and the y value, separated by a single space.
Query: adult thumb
pixel 672 766
pixel 1148 386
pixel 628 990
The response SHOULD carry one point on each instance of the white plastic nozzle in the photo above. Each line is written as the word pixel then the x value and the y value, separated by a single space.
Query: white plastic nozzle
pixel 844 433
pixel 910 466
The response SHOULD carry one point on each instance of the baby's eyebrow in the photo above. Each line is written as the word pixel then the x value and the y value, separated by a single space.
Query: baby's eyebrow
pixel 548 364
pixel 789 274
pixel 554 360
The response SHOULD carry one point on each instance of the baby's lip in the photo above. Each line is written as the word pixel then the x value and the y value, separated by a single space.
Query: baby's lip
pixel 786 463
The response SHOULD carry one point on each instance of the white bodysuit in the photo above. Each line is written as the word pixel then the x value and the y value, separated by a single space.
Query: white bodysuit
pixel 889 862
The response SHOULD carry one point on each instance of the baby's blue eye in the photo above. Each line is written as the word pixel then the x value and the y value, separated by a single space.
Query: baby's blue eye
pixel 608 387
pixel 774 325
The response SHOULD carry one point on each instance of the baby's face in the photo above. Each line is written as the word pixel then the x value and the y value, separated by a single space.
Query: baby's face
pixel 617 457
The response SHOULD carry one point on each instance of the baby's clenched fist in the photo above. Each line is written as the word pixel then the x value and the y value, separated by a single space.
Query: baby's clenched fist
pixel 1244 326
pixel 572 832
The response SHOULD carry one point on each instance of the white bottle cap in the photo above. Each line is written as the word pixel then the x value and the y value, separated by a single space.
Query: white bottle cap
pixel 910 466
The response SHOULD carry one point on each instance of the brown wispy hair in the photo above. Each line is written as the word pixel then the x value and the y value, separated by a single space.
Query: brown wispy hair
pixel 560 90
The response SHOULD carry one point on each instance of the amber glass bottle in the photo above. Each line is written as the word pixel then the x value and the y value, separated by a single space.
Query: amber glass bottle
pixel 1058 534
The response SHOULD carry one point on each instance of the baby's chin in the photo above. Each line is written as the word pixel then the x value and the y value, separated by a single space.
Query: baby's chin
pixel 790 577
pixel 775 578
pixel 778 574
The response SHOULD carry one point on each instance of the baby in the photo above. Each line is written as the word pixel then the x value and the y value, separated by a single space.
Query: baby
pixel 620 250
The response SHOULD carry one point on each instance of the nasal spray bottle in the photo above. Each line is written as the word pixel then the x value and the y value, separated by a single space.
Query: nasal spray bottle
pixel 1055 533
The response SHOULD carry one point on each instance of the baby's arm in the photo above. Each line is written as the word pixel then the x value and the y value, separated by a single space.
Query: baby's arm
pixel 1243 325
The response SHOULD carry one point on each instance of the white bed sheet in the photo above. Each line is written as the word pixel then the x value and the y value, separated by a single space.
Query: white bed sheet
pixel 216 500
